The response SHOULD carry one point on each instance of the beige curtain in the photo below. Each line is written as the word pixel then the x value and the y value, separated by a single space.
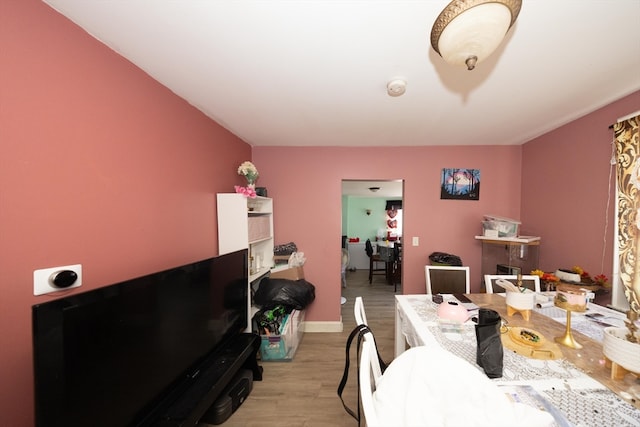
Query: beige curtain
pixel 627 142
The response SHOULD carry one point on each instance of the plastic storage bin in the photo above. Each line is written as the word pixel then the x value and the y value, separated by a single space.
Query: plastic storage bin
pixel 495 226
pixel 283 347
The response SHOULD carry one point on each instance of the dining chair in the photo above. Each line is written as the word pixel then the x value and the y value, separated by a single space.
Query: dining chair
pixel 529 281
pixel 361 319
pixel 374 260
pixel 358 312
pixel 368 361
pixel 396 270
pixel 447 279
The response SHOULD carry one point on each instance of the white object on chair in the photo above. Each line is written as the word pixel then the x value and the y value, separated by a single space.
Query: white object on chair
pixel 428 385
pixel 432 271
pixel 489 280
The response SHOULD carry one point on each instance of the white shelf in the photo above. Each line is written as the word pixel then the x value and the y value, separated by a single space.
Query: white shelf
pixel 519 239
pixel 242 228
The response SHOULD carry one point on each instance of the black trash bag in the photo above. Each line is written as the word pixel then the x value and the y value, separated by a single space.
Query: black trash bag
pixel 446 259
pixel 293 294
pixel 489 355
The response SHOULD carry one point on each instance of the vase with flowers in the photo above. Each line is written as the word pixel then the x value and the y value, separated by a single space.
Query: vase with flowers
pixel 250 172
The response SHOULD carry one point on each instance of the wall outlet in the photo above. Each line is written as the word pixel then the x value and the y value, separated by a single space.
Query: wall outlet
pixel 56 279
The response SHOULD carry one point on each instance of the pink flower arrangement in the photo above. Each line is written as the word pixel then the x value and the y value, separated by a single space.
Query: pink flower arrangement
pixel 246 191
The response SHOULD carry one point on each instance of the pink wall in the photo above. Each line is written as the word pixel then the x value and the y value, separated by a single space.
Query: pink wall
pixel 99 165
pixel 565 191
pixel 305 184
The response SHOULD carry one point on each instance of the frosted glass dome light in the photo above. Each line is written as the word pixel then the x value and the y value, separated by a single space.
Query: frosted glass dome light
pixel 467 31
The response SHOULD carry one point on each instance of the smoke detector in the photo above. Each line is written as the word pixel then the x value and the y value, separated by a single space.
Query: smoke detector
pixel 396 87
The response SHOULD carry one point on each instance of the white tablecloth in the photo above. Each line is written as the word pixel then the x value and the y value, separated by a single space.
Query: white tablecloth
pixel 583 400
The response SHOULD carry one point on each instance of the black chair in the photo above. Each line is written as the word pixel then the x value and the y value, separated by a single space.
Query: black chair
pixel 374 259
pixel 396 274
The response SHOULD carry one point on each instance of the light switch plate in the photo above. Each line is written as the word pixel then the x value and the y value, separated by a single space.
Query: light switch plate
pixel 415 241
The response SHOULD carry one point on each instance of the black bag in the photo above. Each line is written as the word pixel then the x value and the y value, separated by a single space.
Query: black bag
pixel 445 259
pixel 293 294
pixel 489 354
pixel 359 332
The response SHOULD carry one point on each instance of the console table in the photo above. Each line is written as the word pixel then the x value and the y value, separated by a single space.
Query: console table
pixel 578 385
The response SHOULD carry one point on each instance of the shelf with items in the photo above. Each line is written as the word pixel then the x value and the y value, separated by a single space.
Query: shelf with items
pixel 509 255
pixel 244 222
pixel 247 223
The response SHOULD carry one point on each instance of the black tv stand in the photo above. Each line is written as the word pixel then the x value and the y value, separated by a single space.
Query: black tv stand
pixel 240 352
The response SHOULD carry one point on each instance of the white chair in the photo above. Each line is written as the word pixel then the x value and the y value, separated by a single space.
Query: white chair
pixel 358 312
pixel 532 282
pixel 447 279
pixel 361 319
pixel 369 379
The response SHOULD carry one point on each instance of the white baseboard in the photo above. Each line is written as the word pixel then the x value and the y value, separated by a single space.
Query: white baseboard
pixel 322 326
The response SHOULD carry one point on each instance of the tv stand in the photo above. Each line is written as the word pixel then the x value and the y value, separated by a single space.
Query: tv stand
pixel 217 371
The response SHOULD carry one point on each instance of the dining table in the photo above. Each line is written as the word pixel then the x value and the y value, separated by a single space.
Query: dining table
pixel 575 384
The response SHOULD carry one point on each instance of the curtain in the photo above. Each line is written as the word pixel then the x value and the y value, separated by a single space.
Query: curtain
pixel 627 142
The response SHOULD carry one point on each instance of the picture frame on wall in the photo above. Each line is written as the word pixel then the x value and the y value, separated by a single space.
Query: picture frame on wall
pixel 460 184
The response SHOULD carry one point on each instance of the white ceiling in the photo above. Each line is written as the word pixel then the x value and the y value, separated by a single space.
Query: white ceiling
pixel 314 72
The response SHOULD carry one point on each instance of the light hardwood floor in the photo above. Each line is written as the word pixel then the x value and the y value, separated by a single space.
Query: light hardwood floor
pixel 303 392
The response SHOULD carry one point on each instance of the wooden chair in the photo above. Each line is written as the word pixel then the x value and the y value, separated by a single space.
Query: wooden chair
pixel 447 279
pixel 532 282
pixel 396 271
pixel 374 260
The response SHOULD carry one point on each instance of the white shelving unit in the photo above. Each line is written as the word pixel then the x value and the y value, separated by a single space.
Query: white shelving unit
pixel 245 223
pixel 512 254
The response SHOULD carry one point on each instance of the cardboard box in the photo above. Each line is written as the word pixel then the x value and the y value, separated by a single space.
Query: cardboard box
pixel 281 260
pixel 295 273
pixel 283 346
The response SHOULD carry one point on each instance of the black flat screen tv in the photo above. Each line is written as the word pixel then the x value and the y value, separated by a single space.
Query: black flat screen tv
pixel 114 356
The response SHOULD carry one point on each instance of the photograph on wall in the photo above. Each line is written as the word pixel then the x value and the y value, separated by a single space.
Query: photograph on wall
pixel 460 184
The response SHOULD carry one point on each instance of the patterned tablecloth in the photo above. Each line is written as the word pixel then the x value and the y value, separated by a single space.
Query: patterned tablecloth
pixel 582 400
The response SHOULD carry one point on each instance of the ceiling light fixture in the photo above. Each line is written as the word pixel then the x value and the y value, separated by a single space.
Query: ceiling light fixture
pixel 467 31
pixel 374 189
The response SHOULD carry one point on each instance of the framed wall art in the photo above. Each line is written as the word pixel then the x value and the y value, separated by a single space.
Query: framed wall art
pixel 460 184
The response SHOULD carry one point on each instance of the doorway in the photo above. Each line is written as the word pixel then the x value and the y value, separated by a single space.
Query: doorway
pixel 372 209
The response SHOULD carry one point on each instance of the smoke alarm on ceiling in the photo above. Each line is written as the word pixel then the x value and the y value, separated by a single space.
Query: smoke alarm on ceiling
pixel 396 87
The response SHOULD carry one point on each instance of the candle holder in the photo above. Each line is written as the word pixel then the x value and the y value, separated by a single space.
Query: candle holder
pixel 567 339
pixel 570 300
